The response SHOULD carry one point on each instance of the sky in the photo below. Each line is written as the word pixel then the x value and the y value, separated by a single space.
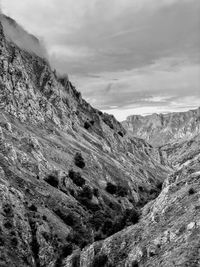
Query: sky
pixel 125 56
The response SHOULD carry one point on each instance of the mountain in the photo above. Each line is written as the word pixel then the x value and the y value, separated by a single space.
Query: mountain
pixel 76 189
pixel 70 174
pixel 159 129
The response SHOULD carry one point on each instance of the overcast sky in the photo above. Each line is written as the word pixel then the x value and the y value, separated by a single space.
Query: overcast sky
pixel 125 56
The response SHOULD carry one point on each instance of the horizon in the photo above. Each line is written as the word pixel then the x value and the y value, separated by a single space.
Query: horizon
pixel 138 58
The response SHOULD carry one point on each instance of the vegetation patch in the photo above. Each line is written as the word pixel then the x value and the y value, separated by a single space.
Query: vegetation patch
pixel 79 160
pixel 52 180
pixel 87 125
pixel 69 218
pixel 76 178
pixel 191 191
pixel 100 260
pixel 116 189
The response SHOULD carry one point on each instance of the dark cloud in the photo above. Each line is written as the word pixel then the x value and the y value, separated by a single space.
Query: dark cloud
pixel 132 39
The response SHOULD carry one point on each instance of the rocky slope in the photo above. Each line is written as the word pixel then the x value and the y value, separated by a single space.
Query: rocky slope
pixel 159 129
pixel 76 189
pixel 69 174
pixel 168 232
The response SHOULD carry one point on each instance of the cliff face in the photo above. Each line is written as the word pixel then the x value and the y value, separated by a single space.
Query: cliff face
pixel 69 174
pixel 159 129
pixel 76 189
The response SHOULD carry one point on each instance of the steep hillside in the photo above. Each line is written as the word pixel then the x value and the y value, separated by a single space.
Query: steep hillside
pixel 160 129
pixel 69 174
pixel 168 233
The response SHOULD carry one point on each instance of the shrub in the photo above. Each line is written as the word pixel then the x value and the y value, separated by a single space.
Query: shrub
pixel 88 204
pixel 116 189
pixel 32 208
pixel 86 192
pixel 159 185
pixel 153 191
pixel 14 241
pixel 77 94
pixel 76 178
pixel 141 189
pixel 100 260
pixel 122 191
pixel 44 217
pixel 72 192
pixel 67 250
pixel 87 125
pixel 52 180
pixel 108 224
pixel 191 191
pixel 79 161
pixel 8 225
pixel 7 208
pixel 131 215
pixel 70 218
pixel 120 133
pixel 111 188
pixel 81 236
pixel 98 219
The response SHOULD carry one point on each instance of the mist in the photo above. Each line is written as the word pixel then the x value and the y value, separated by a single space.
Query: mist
pixel 16 34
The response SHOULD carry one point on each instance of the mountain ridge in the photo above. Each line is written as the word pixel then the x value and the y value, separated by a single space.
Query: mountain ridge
pixel 159 129
pixel 76 189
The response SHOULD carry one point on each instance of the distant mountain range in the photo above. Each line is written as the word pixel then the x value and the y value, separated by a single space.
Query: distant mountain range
pixel 159 129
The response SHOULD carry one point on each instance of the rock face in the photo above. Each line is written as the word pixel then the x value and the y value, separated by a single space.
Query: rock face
pixel 76 189
pixel 159 129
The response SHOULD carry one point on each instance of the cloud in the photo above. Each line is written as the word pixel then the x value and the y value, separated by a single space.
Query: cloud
pixel 133 38
pixel 159 85
pixel 112 35
pixel 16 34
pixel 125 54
